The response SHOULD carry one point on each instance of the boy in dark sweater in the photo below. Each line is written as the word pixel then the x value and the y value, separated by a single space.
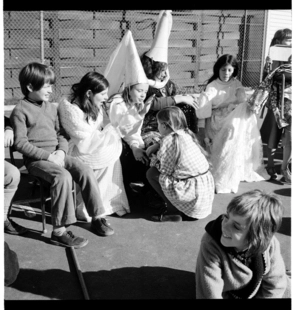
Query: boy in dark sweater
pixel 40 138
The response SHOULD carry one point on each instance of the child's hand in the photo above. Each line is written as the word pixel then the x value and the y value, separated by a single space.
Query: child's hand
pixel 8 138
pixel 140 155
pixel 152 149
pixel 188 99
pixel 147 106
pixel 56 159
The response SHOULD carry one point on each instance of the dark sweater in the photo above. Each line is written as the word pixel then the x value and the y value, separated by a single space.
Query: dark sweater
pixel 37 130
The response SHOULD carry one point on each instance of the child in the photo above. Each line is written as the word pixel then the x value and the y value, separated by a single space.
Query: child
pixel 229 127
pixel 239 254
pixel 83 117
pixel 181 176
pixel 271 131
pixel 39 137
pixel 11 181
pixel 126 106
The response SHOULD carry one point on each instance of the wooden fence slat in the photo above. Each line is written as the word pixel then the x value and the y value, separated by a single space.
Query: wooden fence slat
pixel 30 52
pixel 89 43
pixel 75 34
pixel 90 24
pixel 75 52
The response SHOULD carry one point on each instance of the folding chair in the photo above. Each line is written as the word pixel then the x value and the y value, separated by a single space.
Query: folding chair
pixel 42 184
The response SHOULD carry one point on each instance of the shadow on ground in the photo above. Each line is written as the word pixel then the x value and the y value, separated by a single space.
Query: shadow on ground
pixel 123 283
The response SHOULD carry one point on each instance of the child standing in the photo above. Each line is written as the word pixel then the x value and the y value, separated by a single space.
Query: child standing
pixel 230 129
pixel 239 254
pixel 181 176
pixel 39 137
pixel 271 131
pixel 95 143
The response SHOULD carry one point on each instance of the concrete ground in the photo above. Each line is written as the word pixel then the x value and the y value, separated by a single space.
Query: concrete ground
pixel 143 260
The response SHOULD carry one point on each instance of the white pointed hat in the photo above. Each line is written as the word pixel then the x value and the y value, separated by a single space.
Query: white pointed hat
pixel 124 67
pixel 159 47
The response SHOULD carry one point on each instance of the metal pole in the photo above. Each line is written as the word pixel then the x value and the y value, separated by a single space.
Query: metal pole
pixel 78 270
pixel 42 37
pixel 264 45
pixel 243 50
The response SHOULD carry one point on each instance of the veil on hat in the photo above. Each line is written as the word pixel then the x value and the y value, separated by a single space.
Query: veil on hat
pixel 124 67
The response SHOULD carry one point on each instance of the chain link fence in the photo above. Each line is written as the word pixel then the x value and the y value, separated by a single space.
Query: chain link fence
pixel 76 42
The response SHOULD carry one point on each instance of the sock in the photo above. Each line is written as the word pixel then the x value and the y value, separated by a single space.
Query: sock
pixel 94 218
pixel 58 230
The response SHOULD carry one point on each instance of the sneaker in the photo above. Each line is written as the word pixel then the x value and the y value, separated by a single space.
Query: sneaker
pixel 102 227
pixel 69 240
pixel 272 173
pixel 11 227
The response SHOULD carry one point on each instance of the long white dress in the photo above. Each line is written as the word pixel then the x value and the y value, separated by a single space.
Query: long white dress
pixel 236 147
pixel 100 148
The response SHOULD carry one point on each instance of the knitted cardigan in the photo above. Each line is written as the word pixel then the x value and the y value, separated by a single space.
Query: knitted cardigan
pixel 96 147
pixel 219 274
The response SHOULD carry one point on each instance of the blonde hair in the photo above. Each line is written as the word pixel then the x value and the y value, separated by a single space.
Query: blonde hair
pixel 264 214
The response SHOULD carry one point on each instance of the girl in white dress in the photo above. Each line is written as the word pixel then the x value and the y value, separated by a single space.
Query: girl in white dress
pixel 228 126
pixel 95 141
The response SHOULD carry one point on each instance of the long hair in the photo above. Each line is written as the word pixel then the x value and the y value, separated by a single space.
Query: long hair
pixel 174 118
pixel 281 35
pixel 96 83
pixel 125 95
pixel 225 59
pixel 264 216
pixel 151 67
pixel 35 74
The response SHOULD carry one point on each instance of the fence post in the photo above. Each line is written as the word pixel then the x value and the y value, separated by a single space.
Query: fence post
pixel 198 50
pixel 243 46
pixel 264 46
pixel 42 37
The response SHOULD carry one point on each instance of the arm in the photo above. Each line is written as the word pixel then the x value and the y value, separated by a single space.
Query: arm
pixel 209 282
pixel 8 133
pixel 87 139
pixel 121 117
pixel 274 283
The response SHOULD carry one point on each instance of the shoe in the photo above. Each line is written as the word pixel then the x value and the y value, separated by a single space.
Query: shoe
pixel 166 218
pixel 102 227
pixel 162 216
pixel 12 228
pixel 286 177
pixel 272 173
pixel 82 214
pixel 69 240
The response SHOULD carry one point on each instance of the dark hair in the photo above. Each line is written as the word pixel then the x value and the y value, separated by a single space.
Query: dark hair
pixel 281 35
pixel 96 83
pixel 174 118
pixel 151 67
pixel 225 59
pixel 35 74
pixel 264 215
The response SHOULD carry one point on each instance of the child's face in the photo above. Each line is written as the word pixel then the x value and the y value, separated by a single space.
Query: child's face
pixel 42 94
pixel 225 73
pixel 234 231
pixel 99 98
pixel 138 92
pixel 287 42
pixel 161 75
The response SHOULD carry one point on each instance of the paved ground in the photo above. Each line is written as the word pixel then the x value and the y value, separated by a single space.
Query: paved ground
pixel 142 260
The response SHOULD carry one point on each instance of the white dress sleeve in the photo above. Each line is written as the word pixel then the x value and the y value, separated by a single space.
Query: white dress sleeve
pixel 121 116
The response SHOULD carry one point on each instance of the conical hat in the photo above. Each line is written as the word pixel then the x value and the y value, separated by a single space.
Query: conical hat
pixel 159 47
pixel 124 67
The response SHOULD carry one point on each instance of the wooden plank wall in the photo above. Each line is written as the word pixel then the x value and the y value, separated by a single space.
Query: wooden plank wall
pixel 76 42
